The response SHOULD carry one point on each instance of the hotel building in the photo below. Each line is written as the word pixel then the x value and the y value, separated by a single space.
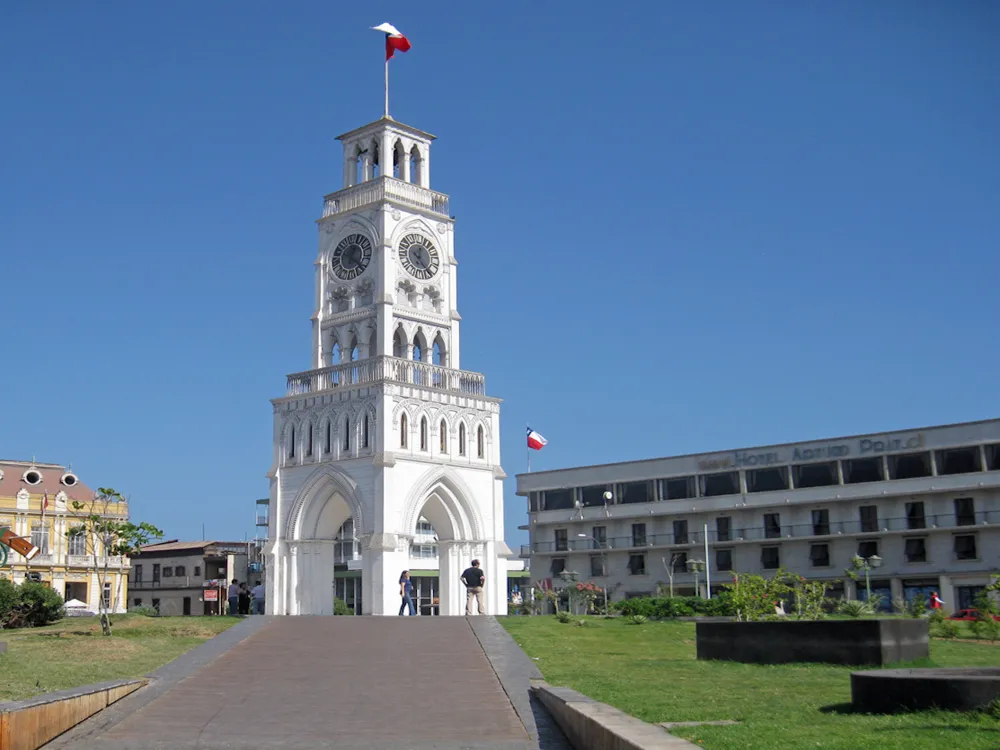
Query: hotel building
pixel 923 505
pixel 69 565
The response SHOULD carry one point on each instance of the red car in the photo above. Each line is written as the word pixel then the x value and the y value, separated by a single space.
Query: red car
pixel 969 615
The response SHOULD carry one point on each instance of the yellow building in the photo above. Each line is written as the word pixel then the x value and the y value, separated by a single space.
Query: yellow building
pixel 70 566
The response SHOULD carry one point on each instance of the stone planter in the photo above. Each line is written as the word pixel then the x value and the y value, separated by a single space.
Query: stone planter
pixel 954 689
pixel 853 642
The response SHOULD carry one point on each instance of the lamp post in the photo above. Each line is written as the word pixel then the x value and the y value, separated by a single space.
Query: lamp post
pixel 604 563
pixel 867 564
pixel 695 566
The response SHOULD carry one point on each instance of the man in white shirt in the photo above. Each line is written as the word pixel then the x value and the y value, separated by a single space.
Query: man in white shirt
pixel 258 599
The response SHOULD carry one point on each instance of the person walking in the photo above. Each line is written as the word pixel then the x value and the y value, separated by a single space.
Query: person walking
pixel 405 591
pixel 234 598
pixel 244 599
pixel 258 599
pixel 936 601
pixel 474 578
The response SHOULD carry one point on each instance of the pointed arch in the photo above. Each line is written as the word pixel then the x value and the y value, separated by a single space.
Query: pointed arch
pixel 456 497
pixel 372 341
pixel 480 442
pixel 443 436
pixel 416 165
pixel 306 513
pixel 461 438
pixel 326 434
pixel 423 433
pixel 399 170
pixel 420 351
pixel 308 452
pixel 345 434
pixel 404 428
pixel 439 352
pixel 400 344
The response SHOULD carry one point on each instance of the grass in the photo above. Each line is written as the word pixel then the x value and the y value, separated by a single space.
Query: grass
pixel 73 652
pixel 651 672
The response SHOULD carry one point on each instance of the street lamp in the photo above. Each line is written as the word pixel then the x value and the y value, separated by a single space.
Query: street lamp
pixel 696 566
pixel 604 563
pixel 867 564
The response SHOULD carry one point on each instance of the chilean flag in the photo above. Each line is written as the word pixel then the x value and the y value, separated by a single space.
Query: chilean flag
pixel 393 40
pixel 536 441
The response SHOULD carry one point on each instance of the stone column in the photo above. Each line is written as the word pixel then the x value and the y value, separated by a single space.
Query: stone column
pixel 381 563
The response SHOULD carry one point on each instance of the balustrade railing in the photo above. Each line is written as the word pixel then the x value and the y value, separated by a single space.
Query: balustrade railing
pixel 385 188
pixel 915 524
pixel 387 369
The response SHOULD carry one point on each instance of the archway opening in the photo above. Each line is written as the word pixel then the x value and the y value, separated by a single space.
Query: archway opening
pixel 424 568
pixel 347 567
pixel 314 572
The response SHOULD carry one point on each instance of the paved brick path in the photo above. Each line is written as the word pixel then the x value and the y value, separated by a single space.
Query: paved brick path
pixel 345 682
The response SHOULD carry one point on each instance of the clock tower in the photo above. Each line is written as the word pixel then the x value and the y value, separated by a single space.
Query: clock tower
pixel 386 453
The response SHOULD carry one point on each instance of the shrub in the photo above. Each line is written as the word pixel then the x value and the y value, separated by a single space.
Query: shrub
pixel 662 607
pixel 754 597
pixel 29 605
pixel 946 629
pixel 341 608
pixel 937 617
pixel 854 608
pixel 917 606
pixel 144 611
pixel 563 616
pixel 637 619
pixel 986 627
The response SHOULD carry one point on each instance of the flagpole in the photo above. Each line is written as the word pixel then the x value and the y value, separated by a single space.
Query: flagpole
pixel 527 448
pixel 387 88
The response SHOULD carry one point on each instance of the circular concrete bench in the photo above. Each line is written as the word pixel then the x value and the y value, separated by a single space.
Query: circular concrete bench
pixel 894 690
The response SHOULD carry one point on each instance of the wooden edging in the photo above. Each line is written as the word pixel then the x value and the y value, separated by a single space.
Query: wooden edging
pixel 590 724
pixel 29 724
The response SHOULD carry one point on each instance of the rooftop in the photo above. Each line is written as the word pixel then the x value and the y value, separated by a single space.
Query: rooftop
pixel 44 478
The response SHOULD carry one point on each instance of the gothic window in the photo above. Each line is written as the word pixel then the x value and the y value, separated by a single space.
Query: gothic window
pixel 347 434
pixel 416 166
pixel 372 344
pixel 438 354
pixel 480 443
pixel 329 436
pixel 398 157
pixel 291 444
pixel 399 344
pixel 444 437
pixel 309 442
pixel 364 433
pixel 402 431
pixel 423 433
pixel 461 439
pixel 335 354
pixel 376 161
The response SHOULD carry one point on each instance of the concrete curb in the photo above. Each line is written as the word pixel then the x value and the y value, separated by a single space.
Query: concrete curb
pixel 591 725
pixel 29 724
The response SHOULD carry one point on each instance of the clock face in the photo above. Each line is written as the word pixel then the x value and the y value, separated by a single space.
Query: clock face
pixel 351 257
pixel 419 256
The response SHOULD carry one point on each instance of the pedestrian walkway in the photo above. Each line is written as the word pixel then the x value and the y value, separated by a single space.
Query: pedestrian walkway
pixel 344 682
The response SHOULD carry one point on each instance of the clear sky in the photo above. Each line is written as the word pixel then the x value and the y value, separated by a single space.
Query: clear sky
pixel 681 227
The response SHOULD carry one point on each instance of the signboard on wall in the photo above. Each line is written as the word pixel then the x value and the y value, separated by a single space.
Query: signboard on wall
pixel 211 595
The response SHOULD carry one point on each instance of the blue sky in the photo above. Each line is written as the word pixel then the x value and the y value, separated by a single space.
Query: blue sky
pixel 681 226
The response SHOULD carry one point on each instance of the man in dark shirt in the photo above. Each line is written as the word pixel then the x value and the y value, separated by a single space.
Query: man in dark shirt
pixel 474 578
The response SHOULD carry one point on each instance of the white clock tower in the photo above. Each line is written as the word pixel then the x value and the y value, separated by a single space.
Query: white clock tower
pixel 385 437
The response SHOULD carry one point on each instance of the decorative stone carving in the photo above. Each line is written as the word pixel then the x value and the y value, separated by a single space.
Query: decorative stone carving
pixel 499 473
pixel 384 460
pixel 61 501
pixel 329 227
pixel 395 214
pixel 382 542
pixel 442 227
pixel 22 499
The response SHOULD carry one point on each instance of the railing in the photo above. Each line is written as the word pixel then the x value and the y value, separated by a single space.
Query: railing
pixel 381 189
pixel 763 533
pixel 45 559
pixel 80 561
pixel 386 369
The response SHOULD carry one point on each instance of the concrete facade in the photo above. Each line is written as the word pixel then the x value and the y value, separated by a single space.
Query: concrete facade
pixel 171 577
pixel 926 501
pixel 385 429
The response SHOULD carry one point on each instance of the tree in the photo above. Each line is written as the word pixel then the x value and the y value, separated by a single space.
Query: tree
pixel 671 566
pixel 113 536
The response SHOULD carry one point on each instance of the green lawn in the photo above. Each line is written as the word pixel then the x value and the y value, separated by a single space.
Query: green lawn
pixel 73 652
pixel 651 672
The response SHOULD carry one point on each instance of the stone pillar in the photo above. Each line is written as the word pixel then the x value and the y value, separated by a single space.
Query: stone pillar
pixel 404 169
pixel 947 594
pixel 381 563
pixel 896 589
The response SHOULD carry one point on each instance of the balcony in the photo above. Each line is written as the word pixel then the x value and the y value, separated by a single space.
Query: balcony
pixel 929 522
pixel 80 561
pixel 387 370
pixel 382 189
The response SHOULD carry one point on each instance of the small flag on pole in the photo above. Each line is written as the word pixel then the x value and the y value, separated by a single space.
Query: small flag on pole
pixel 45 503
pixel 393 40
pixel 535 440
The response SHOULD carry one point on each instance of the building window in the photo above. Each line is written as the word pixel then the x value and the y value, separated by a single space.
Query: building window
pixel 443 437
pixel 723 559
pixel 461 439
pixel 402 430
pixel 600 534
pixel 772 479
pixel 156 572
pixel 815 475
pixel 137 573
pixel 197 570
pixel 915 518
pixel 309 442
pixel 916 550
pixel 291 443
pixel 680 532
pixel 638 535
pixel 558 565
pixel 965 547
pixel 770 558
pixel 727 483
pixel 910 466
pixel 179 571
pixel 821 522
pixel 156 605
pixel 77 543
pixel 637 565
pixel 366 432
pixel 40 537
pixel 480 443
pixel 562 540
pixel 328 440
pixel 959 461
pixel 680 560
pixel 347 434
pixel 723 531
pixel 819 555
pixel 591 496
pixel 772 525
pixel 597 566
pixel 869 518
pixel 680 488
pixel 558 499
pixel 137 602
pixel 965 512
pixel 868 548
pixel 168 572
pixel 106 595
pixel 637 492
pixel 859 470
pixel 993 457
